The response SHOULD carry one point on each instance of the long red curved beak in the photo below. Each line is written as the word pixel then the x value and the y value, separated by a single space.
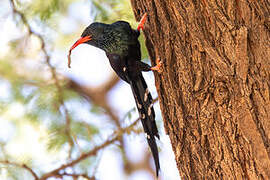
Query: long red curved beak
pixel 78 42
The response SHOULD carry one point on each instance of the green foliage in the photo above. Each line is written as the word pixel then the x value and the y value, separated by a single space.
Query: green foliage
pixel 57 139
pixel 84 130
pixel 110 11
pixel 45 9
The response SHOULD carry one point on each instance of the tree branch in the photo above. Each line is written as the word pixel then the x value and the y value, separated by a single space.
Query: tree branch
pixel 23 166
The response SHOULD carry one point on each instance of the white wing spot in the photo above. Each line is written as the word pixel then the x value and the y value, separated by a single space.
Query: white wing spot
pixel 139 106
pixel 149 110
pixel 124 69
pixel 143 116
pixel 147 136
pixel 146 94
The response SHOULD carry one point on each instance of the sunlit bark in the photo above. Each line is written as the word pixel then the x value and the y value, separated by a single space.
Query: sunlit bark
pixel 214 89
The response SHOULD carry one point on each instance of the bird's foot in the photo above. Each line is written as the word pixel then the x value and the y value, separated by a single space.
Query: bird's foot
pixel 157 67
pixel 142 21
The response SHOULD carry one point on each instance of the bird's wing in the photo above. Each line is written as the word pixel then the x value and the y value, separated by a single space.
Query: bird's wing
pixel 119 65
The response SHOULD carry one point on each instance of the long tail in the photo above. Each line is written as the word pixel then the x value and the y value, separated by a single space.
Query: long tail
pixel 144 104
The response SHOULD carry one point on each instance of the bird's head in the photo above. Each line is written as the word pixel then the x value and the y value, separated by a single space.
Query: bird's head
pixel 91 35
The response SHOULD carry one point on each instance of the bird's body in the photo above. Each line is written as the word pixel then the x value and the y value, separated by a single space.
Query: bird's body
pixel 121 45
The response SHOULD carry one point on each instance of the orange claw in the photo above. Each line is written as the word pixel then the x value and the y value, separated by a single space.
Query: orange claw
pixel 142 21
pixel 157 67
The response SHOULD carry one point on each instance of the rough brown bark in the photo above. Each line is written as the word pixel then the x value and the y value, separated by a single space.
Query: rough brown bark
pixel 215 87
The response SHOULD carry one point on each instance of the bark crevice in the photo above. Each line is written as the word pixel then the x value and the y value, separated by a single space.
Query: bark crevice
pixel 214 91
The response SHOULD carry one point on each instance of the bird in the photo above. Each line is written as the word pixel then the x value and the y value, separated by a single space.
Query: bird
pixel 122 47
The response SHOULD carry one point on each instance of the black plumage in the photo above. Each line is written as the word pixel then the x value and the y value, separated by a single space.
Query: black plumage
pixel 120 42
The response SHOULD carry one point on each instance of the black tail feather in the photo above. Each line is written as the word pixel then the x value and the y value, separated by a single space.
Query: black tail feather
pixel 144 104
pixel 153 146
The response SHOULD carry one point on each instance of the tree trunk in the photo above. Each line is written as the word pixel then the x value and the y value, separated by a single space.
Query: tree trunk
pixel 214 90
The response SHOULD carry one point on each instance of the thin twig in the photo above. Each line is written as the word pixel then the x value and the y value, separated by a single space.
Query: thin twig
pixel 23 166
pixel 77 176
